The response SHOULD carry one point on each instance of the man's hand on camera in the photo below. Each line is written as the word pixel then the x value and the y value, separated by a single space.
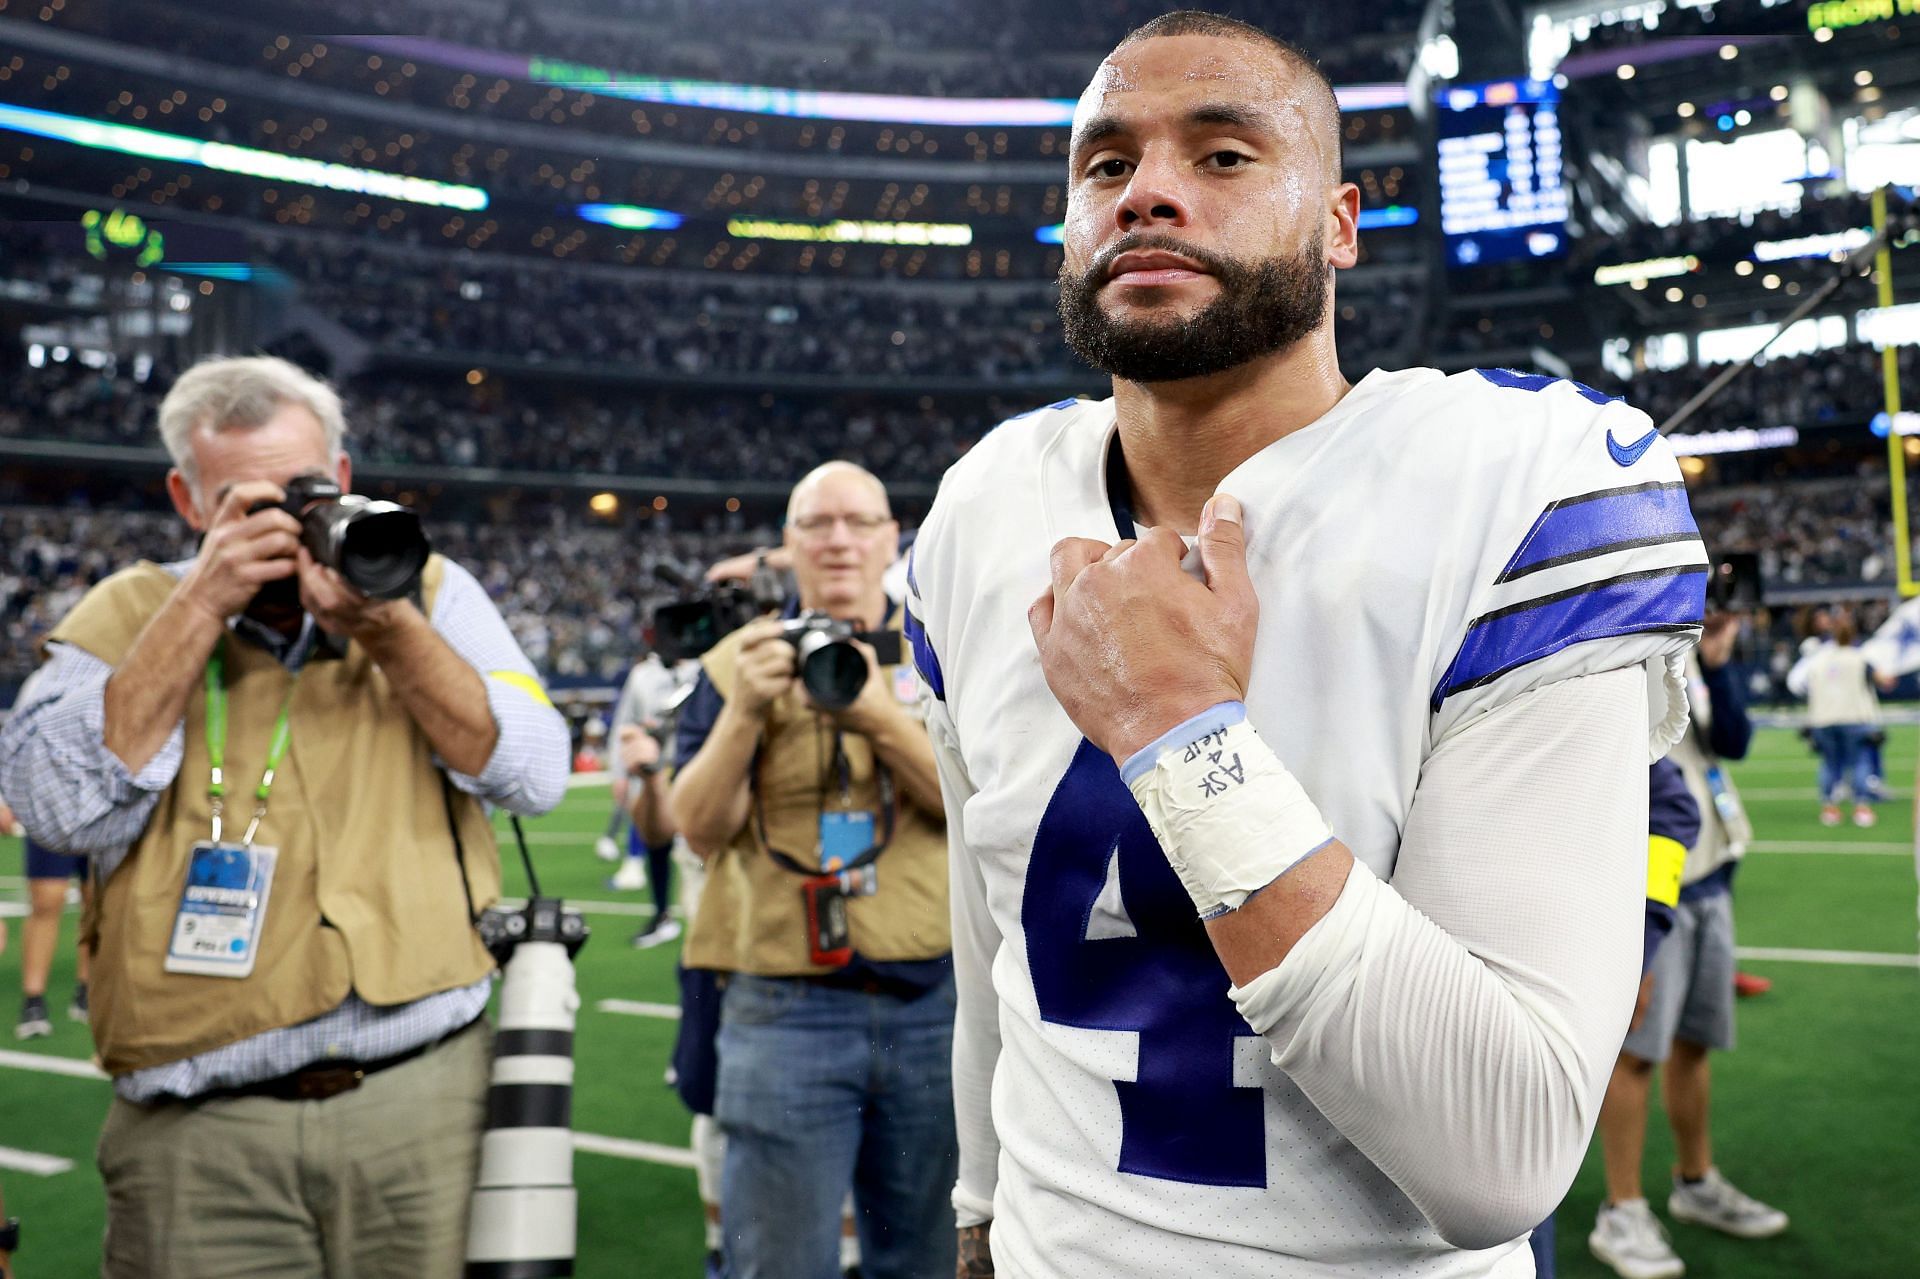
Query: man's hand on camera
pixel 338 608
pixel 1717 638
pixel 241 553
pixel 639 751
pixel 875 707
pixel 764 671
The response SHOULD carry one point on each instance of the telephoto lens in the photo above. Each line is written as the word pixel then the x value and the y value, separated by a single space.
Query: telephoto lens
pixel 524 1218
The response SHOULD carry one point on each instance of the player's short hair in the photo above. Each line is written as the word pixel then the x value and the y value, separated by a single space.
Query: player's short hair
pixel 237 393
pixel 1198 22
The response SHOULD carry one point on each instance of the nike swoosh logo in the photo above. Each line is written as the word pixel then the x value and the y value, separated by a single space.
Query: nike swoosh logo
pixel 1628 454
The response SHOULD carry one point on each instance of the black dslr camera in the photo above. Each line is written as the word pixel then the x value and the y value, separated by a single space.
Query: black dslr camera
pixel 503 931
pixel 832 670
pixel 379 547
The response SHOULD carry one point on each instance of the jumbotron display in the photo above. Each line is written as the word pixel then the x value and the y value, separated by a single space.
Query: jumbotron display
pixel 1501 197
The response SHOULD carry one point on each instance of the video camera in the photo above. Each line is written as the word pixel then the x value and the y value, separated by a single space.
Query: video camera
pixel 378 546
pixel 712 611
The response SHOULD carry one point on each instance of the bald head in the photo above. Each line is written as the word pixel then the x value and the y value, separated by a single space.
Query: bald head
pixel 1317 102
pixel 841 477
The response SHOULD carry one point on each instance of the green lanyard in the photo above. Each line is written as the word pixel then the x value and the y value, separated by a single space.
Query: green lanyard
pixel 217 744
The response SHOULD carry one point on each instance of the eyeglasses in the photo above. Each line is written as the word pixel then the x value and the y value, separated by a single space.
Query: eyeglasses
pixel 822 525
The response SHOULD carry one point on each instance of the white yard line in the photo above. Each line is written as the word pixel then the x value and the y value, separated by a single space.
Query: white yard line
pixel 1809 793
pixel 32 1161
pixel 641 909
pixel 1862 847
pixel 639 1008
pixel 47 1064
pixel 1864 958
pixel 644 1151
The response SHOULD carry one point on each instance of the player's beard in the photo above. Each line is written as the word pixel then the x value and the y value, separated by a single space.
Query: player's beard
pixel 1263 307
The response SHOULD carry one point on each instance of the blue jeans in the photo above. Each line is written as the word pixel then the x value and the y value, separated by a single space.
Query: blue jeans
pixel 824 1090
pixel 1844 757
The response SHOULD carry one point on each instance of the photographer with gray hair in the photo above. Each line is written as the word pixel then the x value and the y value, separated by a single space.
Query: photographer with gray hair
pixel 280 781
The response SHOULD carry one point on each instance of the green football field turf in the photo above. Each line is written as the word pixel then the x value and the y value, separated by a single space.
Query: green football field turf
pixel 1815 1111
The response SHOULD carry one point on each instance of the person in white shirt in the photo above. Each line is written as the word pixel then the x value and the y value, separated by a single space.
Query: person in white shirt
pixel 1843 711
pixel 1298 825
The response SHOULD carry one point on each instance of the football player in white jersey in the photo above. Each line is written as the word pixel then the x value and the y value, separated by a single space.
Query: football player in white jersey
pixel 1293 735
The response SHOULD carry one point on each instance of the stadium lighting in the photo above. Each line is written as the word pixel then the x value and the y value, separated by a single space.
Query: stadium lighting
pixel 1684 110
pixel 1624 71
pixel 1769 281
pixel 1743 117
pixel 1638 273
pixel 247 161
pixel 1728 52
pixel 848 231
pixel 605 505
pixel 1743 267
pixel 1675 293
pixel 1822 34
pixel 630 217
pixel 1778 93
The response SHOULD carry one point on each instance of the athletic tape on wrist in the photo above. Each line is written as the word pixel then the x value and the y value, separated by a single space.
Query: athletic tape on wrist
pixel 1229 816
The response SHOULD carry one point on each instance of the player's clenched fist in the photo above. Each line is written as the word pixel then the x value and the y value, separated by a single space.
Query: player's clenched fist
pixel 1131 645
pixel 764 670
pixel 242 552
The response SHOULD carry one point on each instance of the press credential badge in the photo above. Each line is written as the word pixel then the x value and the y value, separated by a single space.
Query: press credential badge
pixel 217 932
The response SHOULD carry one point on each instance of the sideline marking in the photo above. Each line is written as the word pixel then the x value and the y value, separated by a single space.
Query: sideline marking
pixel 48 1064
pixel 33 1162
pixel 1865 958
pixel 644 1151
pixel 1859 848
pixel 639 1008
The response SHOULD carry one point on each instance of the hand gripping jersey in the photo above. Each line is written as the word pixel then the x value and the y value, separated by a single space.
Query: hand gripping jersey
pixel 1428 551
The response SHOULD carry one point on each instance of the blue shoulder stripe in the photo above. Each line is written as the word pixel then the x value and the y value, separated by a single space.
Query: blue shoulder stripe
pixel 1067 403
pixel 1655 600
pixel 1602 522
pixel 925 660
pixel 1539 382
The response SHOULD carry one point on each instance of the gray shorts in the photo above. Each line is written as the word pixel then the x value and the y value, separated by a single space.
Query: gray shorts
pixel 1692 982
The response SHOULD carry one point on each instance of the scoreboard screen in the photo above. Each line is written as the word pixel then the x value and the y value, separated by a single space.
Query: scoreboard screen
pixel 1501 197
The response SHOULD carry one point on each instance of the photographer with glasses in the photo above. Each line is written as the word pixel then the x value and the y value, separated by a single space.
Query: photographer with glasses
pixel 807 782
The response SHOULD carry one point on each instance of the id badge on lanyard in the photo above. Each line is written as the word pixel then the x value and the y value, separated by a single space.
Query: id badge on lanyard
pixel 217 930
pixel 223 908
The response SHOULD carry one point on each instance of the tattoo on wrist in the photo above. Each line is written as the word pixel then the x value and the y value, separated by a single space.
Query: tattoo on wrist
pixel 976 1257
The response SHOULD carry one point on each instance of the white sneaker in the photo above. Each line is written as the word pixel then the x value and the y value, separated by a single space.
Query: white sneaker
pixel 1629 1238
pixel 658 935
pixel 630 878
pixel 1713 1201
pixel 605 849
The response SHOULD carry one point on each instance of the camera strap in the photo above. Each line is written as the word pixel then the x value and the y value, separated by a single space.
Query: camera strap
pixel 216 728
pixel 883 779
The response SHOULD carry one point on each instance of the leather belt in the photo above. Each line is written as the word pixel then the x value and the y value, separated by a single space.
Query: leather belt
pixel 323 1079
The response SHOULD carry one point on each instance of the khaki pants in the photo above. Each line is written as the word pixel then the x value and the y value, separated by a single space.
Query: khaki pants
pixel 371 1184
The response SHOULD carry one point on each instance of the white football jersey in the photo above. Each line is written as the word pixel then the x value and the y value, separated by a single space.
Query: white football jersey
pixel 1427 551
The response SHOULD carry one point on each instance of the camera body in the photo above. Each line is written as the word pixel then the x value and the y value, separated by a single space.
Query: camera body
pixel 831 669
pixel 378 546
pixel 543 919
